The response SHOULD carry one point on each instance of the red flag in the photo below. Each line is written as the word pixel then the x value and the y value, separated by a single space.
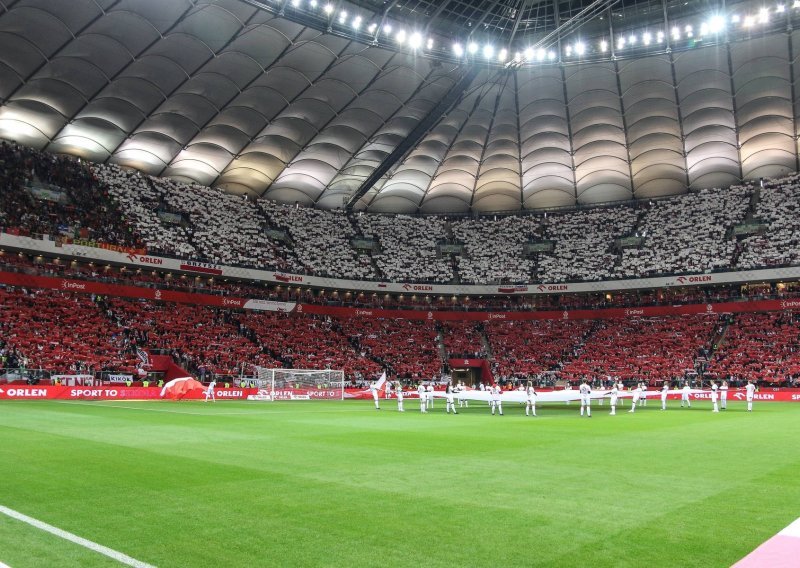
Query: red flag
pixel 178 388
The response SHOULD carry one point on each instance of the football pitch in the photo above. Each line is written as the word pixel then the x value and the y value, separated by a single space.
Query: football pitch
pixel 341 484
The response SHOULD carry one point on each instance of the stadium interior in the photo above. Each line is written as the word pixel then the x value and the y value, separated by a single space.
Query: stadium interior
pixel 499 192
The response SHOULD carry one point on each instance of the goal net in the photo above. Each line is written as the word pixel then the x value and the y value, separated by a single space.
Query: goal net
pixel 298 384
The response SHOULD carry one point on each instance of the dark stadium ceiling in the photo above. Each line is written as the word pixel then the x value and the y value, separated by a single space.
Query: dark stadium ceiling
pixel 305 101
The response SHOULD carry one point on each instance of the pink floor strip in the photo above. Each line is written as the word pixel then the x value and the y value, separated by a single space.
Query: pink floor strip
pixel 781 551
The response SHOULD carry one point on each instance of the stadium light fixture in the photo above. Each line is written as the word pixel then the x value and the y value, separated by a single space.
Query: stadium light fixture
pixel 529 53
pixel 313 3
pixel 357 22
pixel 415 41
pixel 488 51
pixel 568 50
pixel 400 37
pixel 387 29
pixel 676 33
pixel 580 48
pixel 632 39
pixel 343 17
pixel 502 56
pixel 763 16
pixel 749 21
pixel 430 43
pixel 716 24
pixel 295 3
pixel 780 8
pixel 328 8
pixel 472 48
pixel 621 43
pixel 551 55
pixel 458 50
pixel 647 38
pixel 735 19
pixel 604 46
pixel 689 31
pixel 372 27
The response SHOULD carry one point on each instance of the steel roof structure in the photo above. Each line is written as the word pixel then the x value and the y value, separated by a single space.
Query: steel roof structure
pixel 260 100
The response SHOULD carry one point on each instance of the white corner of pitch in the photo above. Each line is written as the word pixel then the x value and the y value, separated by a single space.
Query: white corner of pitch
pixel 93 546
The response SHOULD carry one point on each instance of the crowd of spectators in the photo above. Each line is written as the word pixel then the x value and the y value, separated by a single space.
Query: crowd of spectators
pixel 584 244
pixel 494 249
pixel 687 234
pixel 779 208
pixel 58 196
pixel 407 246
pixel 65 197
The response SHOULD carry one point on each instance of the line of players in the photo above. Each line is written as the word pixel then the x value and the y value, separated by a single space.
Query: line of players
pixel 719 397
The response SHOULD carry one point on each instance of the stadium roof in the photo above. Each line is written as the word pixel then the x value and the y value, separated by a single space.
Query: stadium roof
pixel 301 104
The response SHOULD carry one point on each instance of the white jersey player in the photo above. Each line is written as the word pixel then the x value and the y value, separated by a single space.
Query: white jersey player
pixel 586 398
pixel 750 392
pixel 449 398
pixel 664 393
pixel 462 402
pixel 429 396
pixel 497 403
pixel 423 407
pixel 643 397
pixel 714 396
pixel 373 386
pixel 398 391
pixel 685 395
pixel 723 395
pixel 614 396
pixel 210 392
pixel 530 406
pixel 637 393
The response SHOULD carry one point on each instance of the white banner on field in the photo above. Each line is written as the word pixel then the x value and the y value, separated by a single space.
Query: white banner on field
pixel 208 269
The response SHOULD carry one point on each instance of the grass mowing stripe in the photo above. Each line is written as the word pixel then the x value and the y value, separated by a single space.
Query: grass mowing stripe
pixel 99 548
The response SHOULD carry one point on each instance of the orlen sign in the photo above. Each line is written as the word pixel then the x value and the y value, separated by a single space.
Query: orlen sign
pixel 553 287
pixel 693 279
pixel 154 260
pixel 23 392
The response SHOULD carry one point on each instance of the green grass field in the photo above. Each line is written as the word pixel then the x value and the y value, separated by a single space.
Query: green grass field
pixel 339 484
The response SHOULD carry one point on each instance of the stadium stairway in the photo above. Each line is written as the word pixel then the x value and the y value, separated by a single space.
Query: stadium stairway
pixel 165 364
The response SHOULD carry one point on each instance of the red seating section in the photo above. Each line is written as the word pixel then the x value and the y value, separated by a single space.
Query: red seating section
pixel 760 347
pixel 647 349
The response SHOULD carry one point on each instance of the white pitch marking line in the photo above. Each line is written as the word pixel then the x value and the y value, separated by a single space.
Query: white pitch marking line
pixel 99 548
pixel 4 565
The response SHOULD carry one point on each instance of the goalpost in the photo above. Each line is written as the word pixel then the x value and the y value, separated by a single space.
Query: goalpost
pixel 298 384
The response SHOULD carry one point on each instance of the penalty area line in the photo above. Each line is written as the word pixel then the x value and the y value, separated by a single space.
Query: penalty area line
pixel 93 546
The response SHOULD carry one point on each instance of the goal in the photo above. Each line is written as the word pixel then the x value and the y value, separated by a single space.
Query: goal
pixel 299 384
